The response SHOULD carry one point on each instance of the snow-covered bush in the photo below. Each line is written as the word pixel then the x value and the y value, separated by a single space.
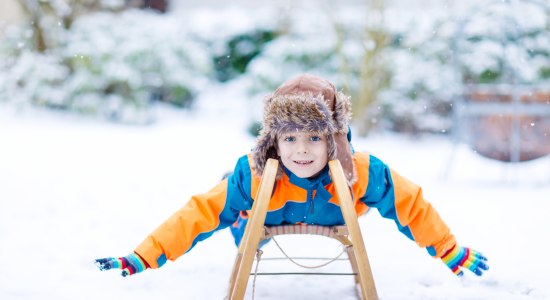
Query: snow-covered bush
pixel 423 79
pixel 113 65
pixel 231 48
pixel 28 77
pixel 240 51
pixel 423 68
pixel 415 77
pixel 314 41
pixel 37 78
pixel 506 42
pixel 110 63
pixel 135 57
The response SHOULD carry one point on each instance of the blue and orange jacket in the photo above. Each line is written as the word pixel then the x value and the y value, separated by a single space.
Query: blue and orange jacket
pixel 299 200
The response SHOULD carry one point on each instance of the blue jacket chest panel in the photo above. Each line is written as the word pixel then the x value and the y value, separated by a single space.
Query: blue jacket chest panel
pixel 315 210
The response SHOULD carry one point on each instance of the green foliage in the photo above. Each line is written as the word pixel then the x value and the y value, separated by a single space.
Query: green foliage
pixel 544 72
pixel 240 50
pixel 254 128
pixel 488 76
pixel 177 95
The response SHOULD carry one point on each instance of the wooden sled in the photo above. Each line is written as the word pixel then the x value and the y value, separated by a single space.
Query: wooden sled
pixel 348 234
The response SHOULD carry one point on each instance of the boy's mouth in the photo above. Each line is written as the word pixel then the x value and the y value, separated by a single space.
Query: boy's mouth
pixel 303 162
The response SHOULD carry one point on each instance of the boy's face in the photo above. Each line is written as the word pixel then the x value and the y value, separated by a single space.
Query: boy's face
pixel 305 154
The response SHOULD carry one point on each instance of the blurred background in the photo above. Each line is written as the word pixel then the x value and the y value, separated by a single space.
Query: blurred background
pixel 113 113
pixel 476 71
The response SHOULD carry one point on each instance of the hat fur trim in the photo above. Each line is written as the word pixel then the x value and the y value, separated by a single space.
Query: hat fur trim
pixel 300 112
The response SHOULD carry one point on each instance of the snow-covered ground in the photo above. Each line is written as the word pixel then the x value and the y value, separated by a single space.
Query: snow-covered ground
pixel 72 190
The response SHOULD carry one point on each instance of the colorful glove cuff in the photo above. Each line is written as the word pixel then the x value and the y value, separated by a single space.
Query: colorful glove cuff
pixel 130 264
pixel 462 257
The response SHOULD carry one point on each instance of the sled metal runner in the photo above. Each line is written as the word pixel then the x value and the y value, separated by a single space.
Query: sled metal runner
pixel 349 235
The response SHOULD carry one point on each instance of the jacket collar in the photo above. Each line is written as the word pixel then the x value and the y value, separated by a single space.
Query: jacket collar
pixel 307 183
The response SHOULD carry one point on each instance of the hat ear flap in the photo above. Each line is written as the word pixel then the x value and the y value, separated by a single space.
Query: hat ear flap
pixel 266 148
pixel 332 149
pixel 342 112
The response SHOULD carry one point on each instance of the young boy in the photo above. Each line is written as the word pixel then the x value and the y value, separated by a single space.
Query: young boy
pixel 305 125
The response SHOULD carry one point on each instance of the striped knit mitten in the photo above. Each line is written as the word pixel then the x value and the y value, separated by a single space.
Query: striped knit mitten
pixel 130 264
pixel 461 257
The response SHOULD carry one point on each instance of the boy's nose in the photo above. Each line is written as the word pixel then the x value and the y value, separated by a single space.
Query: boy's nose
pixel 302 148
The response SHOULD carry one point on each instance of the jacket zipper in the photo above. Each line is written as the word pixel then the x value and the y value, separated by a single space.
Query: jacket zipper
pixel 311 209
pixel 311 202
pixel 310 199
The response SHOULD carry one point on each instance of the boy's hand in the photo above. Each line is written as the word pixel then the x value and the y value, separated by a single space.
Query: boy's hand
pixel 461 257
pixel 130 264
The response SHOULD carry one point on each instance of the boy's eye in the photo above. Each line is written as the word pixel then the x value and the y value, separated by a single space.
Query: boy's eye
pixel 315 138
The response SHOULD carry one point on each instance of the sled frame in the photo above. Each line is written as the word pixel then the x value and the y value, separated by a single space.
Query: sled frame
pixel 350 236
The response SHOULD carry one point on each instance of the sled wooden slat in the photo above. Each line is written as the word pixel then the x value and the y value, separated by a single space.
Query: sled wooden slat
pixel 349 234
pixel 329 231
pixel 359 253
pixel 253 232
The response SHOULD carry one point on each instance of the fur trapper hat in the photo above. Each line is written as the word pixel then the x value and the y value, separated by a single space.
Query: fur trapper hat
pixel 309 103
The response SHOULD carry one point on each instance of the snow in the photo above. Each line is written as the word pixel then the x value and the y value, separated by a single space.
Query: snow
pixel 77 189
pixel 74 189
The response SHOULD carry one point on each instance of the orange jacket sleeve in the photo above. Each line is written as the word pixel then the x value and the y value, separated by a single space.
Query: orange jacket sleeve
pixel 196 221
pixel 399 199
